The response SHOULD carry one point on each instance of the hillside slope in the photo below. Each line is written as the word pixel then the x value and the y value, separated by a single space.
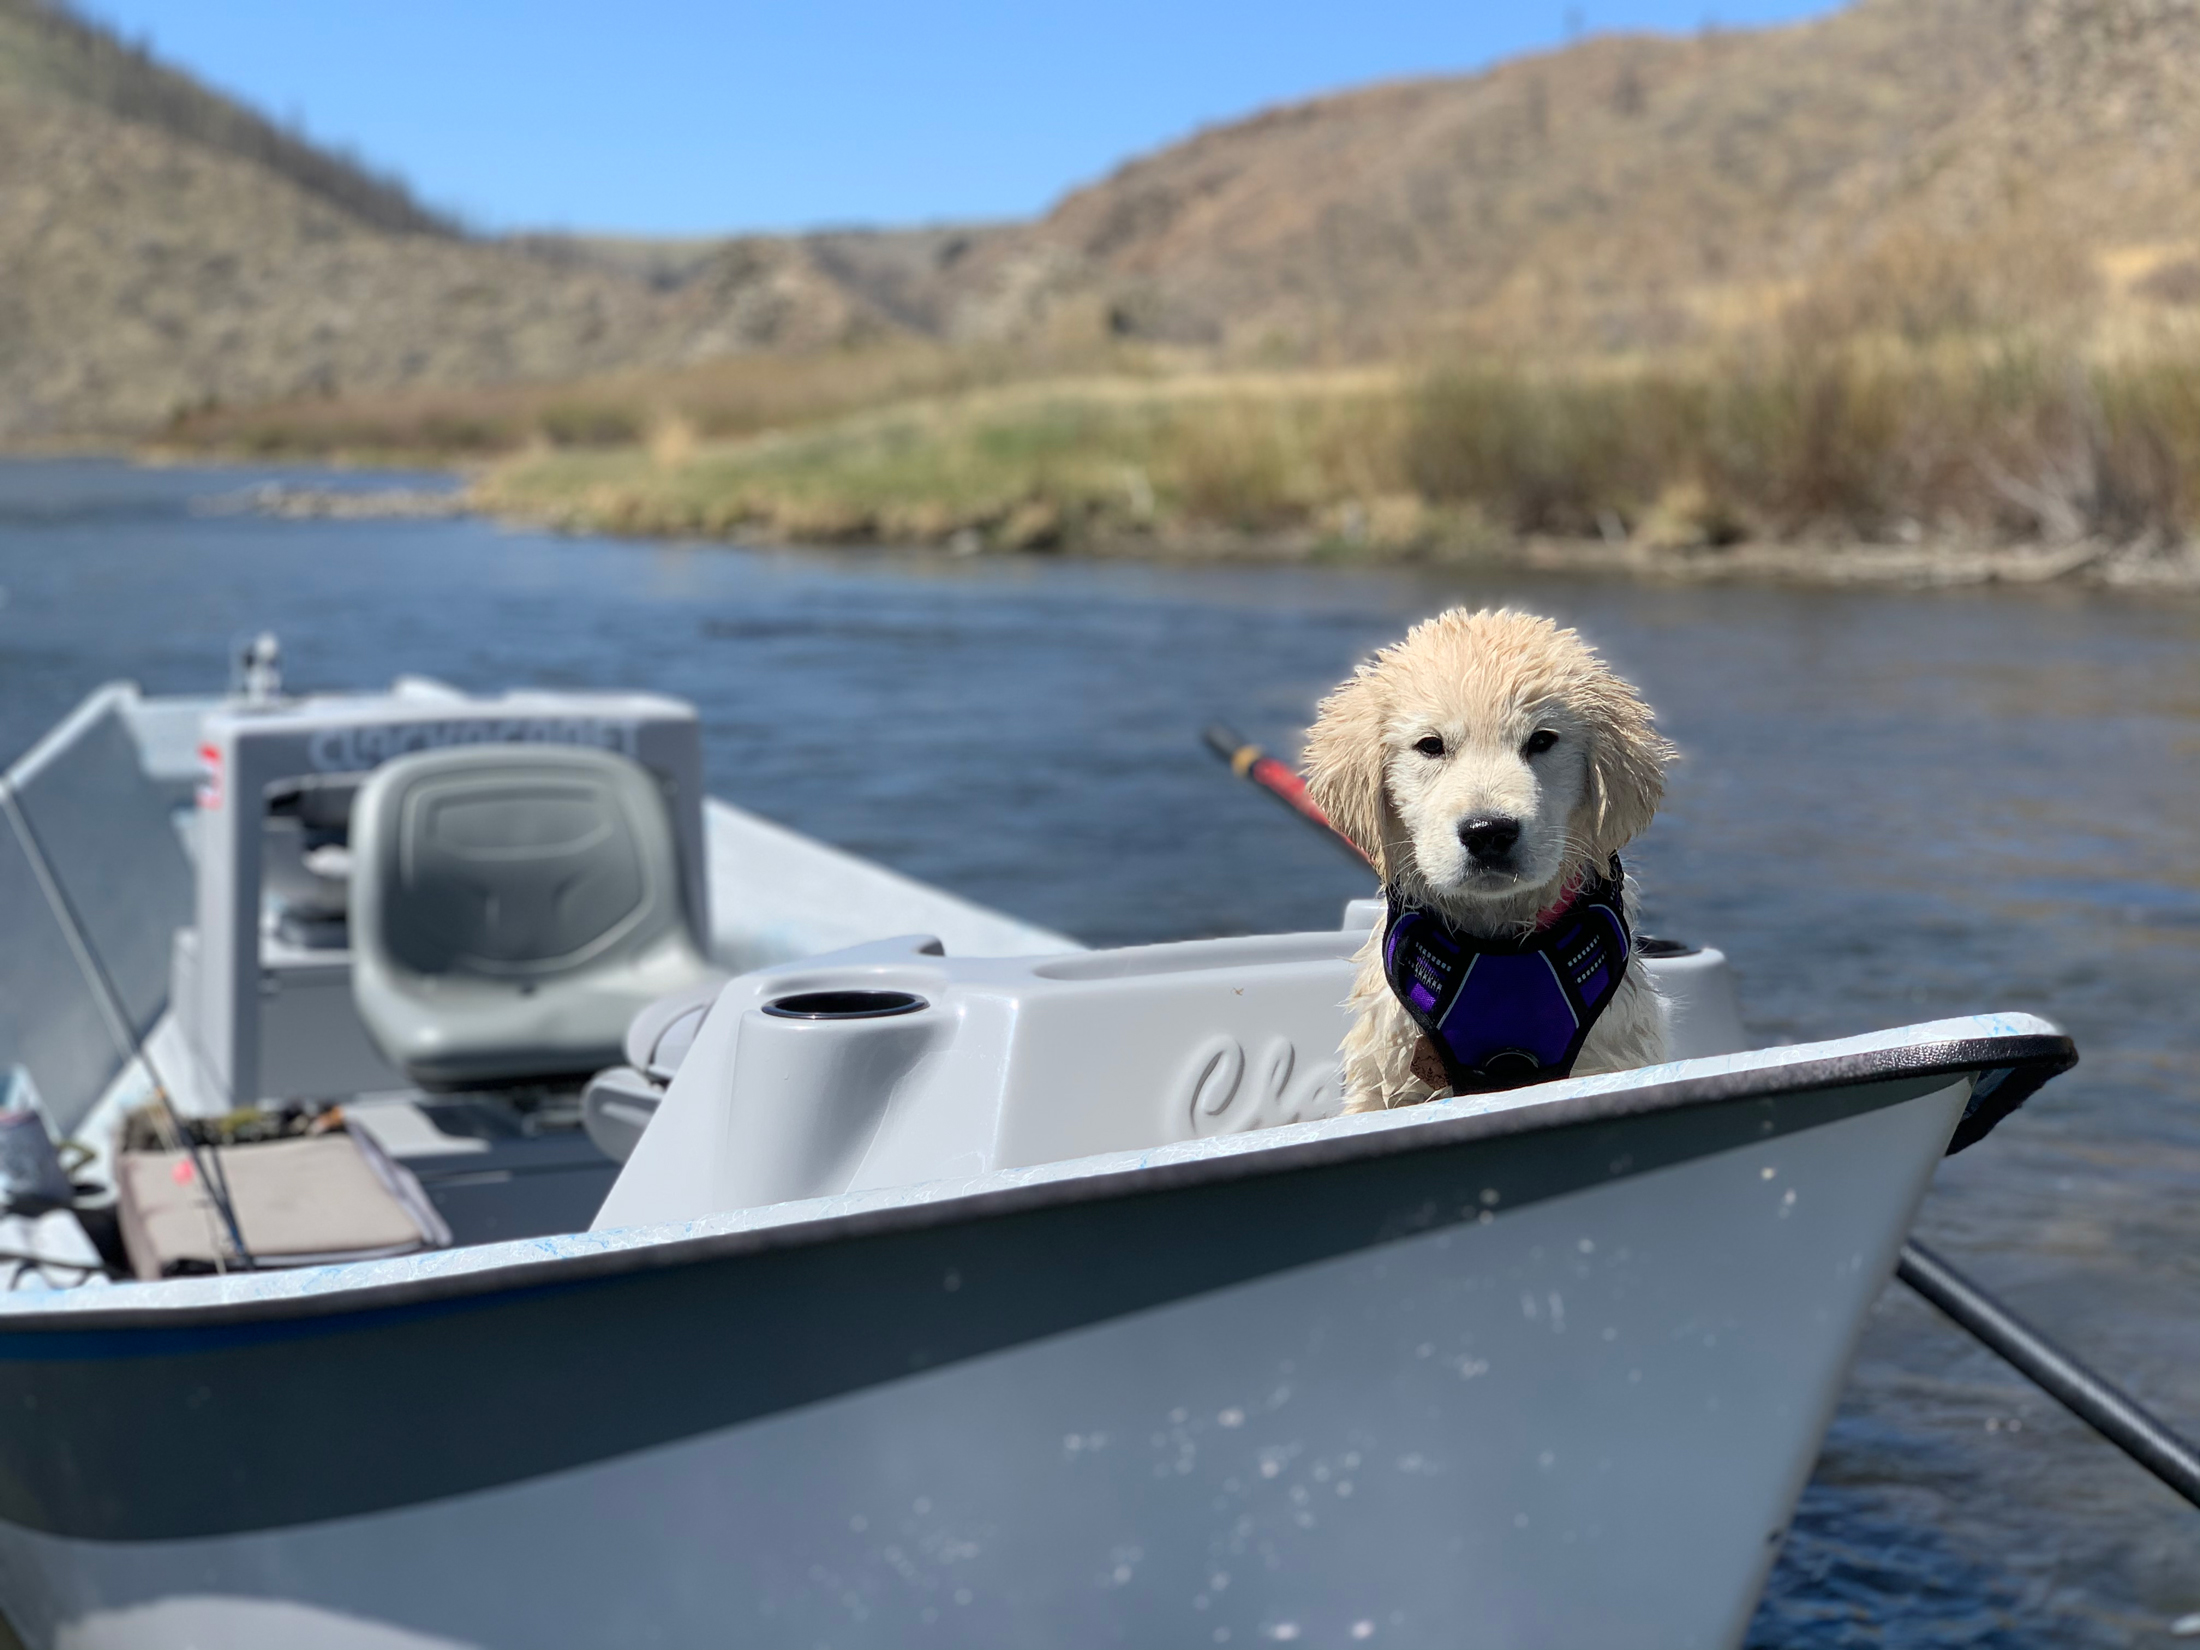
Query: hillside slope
pixel 1912 167
pixel 162 249
pixel 1635 192
pixel 49 53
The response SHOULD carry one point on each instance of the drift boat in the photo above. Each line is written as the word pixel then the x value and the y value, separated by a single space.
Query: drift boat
pixel 902 1274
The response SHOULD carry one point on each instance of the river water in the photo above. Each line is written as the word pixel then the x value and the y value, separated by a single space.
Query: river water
pixel 1894 806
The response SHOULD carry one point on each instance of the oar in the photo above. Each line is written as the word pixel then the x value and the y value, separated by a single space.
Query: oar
pixel 2090 1396
pixel 1248 761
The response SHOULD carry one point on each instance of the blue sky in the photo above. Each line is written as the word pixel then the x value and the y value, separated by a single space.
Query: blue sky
pixel 676 117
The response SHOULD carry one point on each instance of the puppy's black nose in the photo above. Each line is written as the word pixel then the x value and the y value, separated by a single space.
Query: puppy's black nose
pixel 1489 841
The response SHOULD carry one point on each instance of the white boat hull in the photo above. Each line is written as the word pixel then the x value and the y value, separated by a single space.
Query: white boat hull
pixel 1552 1376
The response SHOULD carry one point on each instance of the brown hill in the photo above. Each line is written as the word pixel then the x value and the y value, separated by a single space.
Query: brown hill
pixel 162 249
pixel 1971 156
pixel 1913 166
pixel 48 53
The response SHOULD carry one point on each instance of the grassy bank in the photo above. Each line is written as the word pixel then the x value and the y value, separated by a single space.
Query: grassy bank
pixel 1965 443
pixel 1029 466
pixel 720 400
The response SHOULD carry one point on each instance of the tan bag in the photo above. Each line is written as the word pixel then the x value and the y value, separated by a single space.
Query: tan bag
pixel 315 1201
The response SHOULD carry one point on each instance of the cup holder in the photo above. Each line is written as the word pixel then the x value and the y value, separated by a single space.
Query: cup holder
pixel 844 1005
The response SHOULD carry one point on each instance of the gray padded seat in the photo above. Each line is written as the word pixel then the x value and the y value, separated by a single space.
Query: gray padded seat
pixel 513 907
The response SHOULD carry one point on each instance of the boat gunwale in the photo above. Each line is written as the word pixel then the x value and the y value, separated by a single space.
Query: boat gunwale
pixel 2031 1058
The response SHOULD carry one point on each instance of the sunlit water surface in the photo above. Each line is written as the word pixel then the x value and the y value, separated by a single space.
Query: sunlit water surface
pixel 1894 806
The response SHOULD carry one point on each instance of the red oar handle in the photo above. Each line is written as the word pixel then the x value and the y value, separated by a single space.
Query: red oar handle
pixel 1249 761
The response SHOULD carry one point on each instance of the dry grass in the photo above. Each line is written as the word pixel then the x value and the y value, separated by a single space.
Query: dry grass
pixel 1970 443
pixel 736 396
pixel 1924 389
pixel 1997 443
pixel 1027 466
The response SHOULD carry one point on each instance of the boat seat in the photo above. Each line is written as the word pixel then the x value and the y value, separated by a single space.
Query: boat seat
pixel 512 908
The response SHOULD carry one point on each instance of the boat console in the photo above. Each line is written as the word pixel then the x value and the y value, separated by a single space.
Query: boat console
pixel 266 983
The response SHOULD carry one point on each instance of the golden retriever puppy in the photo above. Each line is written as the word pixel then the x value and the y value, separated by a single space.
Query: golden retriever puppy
pixel 1492 766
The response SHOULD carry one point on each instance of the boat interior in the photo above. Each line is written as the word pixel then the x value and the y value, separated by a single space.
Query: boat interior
pixel 365 950
pixel 301 979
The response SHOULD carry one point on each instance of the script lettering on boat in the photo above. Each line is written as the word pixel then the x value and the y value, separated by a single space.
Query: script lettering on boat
pixel 1212 1094
pixel 361 746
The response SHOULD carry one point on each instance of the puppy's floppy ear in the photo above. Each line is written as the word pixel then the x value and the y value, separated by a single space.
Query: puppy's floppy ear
pixel 1627 762
pixel 1344 765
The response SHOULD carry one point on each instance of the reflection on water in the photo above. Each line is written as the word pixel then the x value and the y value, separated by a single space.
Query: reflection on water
pixel 1895 806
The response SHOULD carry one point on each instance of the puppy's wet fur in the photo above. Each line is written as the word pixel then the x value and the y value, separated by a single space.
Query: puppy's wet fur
pixel 1483 764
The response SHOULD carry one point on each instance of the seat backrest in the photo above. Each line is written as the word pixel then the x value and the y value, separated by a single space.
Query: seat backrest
pixel 511 862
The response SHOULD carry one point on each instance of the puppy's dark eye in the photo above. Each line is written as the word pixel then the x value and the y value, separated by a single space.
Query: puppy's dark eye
pixel 1431 746
pixel 1538 742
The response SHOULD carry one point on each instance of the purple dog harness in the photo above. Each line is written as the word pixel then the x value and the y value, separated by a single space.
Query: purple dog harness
pixel 1502 1012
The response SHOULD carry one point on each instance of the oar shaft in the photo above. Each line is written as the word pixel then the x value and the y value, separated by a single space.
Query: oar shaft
pixel 2099 1403
pixel 1248 761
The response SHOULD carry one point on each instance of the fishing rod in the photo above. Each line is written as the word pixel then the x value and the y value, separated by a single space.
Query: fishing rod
pixel 207 1170
pixel 2085 1392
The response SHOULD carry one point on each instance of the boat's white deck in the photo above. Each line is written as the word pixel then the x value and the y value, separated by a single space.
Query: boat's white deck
pixel 776 895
